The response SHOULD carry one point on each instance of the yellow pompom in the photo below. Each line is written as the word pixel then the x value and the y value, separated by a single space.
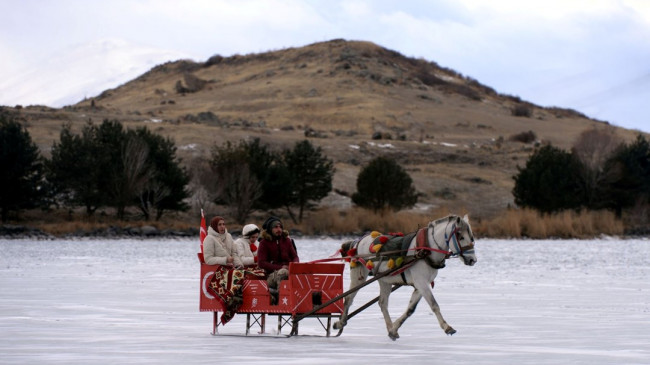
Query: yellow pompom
pixel 399 261
pixel 391 263
pixel 376 248
pixel 353 263
pixel 375 234
pixel 370 265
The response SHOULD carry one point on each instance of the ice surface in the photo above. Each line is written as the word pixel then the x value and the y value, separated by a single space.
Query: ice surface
pixel 136 302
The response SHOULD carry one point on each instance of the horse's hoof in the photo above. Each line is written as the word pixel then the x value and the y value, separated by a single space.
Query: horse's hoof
pixel 338 325
pixel 450 331
pixel 393 336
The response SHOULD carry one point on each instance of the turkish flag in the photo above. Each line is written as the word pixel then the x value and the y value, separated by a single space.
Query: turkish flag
pixel 203 231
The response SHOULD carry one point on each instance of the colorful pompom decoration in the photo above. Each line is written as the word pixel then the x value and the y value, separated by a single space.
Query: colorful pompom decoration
pixel 399 261
pixel 254 258
pixel 353 263
pixel 375 248
pixel 370 265
pixel 375 234
pixel 383 239
pixel 390 264
pixel 352 252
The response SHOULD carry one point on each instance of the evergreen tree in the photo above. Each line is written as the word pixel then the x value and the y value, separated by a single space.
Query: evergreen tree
pixel 74 170
pixel 21 179
pixel 550 181
pixel 384 184
pixel 311 176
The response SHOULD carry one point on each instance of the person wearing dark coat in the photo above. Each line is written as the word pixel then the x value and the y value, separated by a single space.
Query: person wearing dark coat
pixel 276 251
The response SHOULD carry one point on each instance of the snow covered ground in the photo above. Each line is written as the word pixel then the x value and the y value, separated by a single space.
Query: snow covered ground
pixel 136 302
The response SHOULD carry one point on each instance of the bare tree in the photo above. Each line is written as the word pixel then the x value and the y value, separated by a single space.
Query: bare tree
pixel 238 189
pixel 593 147
pixel 202 179
pixel 136 173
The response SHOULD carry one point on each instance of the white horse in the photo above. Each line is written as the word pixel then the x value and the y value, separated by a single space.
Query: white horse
pixel 443 238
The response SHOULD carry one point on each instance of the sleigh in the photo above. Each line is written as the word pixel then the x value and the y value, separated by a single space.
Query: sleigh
pixel 311 291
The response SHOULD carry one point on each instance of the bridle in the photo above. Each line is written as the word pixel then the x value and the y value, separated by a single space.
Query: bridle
pixel 452 244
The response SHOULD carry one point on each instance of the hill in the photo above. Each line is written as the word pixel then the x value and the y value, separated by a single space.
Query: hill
pixel 456 137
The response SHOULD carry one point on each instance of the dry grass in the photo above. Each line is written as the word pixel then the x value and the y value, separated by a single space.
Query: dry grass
pixel 358 220
pixel 513 223
pixel 567 224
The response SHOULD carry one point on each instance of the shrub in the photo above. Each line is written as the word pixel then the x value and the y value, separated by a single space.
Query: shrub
pixel 523 137
pixel 383 184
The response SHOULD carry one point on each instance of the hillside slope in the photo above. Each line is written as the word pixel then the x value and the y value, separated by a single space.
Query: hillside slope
pixel 354 99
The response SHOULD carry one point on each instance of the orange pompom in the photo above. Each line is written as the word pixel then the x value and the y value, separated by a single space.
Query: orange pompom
pixel 374 234
pixel 370 265
pixel 383 239
pixel 376 248
pixel 390 263
pixel 353 263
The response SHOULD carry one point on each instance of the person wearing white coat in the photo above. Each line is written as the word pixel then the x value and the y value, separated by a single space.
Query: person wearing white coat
pixel 218 245
pixel 246 245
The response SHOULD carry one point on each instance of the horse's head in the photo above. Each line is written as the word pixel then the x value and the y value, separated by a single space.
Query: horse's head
pixel 461 240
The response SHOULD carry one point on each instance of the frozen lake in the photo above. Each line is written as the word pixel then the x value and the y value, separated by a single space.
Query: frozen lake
pixel 133 301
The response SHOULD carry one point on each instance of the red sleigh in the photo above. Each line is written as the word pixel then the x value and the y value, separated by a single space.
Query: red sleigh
pixel 309 286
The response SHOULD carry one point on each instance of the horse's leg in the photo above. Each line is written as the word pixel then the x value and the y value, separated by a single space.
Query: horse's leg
pixel 384 293
pixel 425 291
pixel 413 303
pixel 358 276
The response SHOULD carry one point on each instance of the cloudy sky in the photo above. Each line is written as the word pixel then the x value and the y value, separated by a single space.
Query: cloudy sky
pixel 588 55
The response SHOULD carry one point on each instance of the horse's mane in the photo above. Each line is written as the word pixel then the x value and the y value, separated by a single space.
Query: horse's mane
pixel 445 219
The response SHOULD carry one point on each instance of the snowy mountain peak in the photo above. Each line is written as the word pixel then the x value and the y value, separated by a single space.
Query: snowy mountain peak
pixel 82 71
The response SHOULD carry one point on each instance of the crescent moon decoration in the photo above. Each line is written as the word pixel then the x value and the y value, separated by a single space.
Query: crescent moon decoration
pixel 204 288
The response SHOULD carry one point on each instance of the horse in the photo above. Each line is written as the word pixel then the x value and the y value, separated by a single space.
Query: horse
pixel 421 260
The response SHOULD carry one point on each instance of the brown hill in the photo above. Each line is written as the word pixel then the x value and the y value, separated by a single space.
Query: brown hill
pixel 354 99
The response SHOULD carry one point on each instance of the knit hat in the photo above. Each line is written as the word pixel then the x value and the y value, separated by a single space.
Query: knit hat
pixel 270 223
pixel 249 230
pixel 214 223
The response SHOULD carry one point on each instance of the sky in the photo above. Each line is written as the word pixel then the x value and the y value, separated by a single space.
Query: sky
pixel 589 55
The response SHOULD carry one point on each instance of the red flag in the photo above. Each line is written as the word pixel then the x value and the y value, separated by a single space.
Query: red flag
pixel 203 231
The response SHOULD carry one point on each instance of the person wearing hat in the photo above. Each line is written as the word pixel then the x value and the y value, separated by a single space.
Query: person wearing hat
pixel 275 253
pixel 218 245
pixel 246 245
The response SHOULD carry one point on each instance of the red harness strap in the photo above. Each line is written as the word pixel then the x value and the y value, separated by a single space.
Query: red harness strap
pixel 421 239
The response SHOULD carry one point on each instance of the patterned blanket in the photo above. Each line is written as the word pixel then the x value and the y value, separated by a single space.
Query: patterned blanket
pixel 226 285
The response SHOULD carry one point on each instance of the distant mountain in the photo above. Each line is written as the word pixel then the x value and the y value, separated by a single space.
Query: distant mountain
pixel 81 72
pixel 458 139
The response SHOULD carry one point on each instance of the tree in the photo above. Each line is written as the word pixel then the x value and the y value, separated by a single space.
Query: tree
pixel 311 176
pixel 165 184
pixel 593 147
pixel 74 170
pixel 110 165
pixel 627 180
pixel 384 184
pixel 112 144
pixel 234 185
pixel 21 180
pixel 550 181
